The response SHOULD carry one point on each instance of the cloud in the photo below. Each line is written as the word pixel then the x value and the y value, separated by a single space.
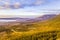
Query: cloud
pixel 39 2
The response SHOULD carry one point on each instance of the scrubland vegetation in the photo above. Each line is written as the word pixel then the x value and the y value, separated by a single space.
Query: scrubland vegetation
pixel 40 30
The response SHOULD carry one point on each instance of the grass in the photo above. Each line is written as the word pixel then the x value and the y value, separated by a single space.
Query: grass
pixel 41 30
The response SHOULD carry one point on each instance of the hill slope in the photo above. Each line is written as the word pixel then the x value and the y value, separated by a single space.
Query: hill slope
pixel 40 30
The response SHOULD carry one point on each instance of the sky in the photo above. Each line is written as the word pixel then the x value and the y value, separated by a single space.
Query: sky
pixel 31 8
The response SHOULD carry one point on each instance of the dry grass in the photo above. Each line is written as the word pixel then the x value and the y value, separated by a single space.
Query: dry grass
pixel 41 30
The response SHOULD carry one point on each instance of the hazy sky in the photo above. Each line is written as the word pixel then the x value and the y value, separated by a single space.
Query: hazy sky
pixel 32 7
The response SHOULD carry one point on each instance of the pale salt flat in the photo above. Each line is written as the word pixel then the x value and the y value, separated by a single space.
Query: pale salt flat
pixel 7 20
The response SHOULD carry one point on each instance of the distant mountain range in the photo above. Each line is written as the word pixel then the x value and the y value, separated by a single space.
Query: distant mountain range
pixel 44 17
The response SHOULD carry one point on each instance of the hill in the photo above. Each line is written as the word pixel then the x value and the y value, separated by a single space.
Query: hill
pixel 38 30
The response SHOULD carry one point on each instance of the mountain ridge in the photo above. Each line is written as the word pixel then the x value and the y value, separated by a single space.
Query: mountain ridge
pixel 18 19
